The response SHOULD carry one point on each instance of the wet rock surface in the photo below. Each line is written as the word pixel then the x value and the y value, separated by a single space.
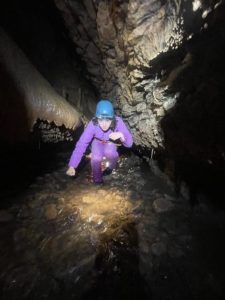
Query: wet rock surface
pixel 130 238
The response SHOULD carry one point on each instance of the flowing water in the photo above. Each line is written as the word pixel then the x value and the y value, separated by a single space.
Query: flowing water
pixel 130 238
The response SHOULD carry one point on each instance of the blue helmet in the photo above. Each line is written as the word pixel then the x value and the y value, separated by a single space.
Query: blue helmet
pixel 104 109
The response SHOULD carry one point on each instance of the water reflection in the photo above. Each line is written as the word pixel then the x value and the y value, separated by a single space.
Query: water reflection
pixel 73 239
pixel 127 239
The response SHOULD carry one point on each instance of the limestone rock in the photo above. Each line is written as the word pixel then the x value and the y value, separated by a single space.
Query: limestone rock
pixel 141 107
pixel 123 40
pixel 40 99
pixel 137 53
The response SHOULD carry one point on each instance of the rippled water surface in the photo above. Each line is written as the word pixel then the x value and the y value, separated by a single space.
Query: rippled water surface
pixel 130 238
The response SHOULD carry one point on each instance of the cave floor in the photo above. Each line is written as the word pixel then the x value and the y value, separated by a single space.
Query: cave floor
pixel 130 238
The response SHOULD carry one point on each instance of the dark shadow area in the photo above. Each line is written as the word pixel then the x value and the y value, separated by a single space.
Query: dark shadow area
pixel 37 28
pixel 208 256
pixel 21 163
pixel 118 276
pixel 13 113
pixel 194 128
pixel 14 130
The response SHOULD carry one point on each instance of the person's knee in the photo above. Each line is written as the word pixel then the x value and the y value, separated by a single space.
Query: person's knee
pixel 96 159
pixel 111 155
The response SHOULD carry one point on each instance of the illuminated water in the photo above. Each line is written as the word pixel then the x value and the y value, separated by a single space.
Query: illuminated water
pixel 128 239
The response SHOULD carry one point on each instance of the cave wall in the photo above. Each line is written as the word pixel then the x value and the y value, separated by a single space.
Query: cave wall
pixel 27 96
pixel 120 41
pixel 162 64
pixel 40 72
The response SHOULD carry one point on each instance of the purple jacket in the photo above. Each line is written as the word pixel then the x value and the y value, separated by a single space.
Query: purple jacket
pixel 92 131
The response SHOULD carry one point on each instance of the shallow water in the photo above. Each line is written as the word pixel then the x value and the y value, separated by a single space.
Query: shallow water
pixel 130 238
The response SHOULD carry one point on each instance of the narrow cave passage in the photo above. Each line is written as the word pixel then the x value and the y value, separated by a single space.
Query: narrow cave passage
pixel 155 229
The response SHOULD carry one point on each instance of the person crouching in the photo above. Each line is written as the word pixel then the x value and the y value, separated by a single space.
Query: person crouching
pixel 102 132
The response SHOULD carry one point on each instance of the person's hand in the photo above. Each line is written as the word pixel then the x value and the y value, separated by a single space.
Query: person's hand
pixel 116 135
pixel 71 171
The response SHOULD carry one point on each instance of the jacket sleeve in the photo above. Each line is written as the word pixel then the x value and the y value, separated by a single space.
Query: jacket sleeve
pixel 128 139
pixel 82 145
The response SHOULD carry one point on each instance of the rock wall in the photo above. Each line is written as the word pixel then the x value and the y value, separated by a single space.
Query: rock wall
pixel 26 96
pixel 135 50
pixel 162 64
pixel 47 68
pixel 118 40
